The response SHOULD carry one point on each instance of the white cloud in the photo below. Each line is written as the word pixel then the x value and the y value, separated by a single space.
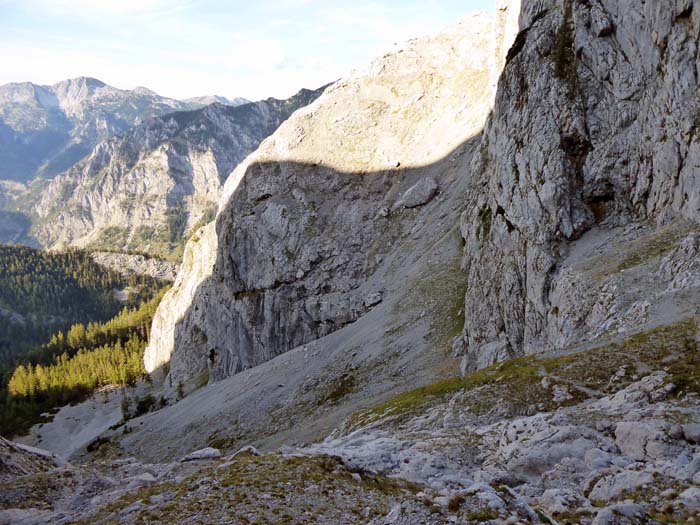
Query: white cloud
pixel 183 48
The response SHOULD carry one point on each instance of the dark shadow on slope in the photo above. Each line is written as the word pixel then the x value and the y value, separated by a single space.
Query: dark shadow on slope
pixel 296 242
pixel 363 247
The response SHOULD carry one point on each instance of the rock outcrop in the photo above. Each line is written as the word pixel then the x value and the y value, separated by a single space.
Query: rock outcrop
pixel 612 446
pixel 20 460
pixel 593 129
pixel 146 190
pixel 137 264
pixel 307 220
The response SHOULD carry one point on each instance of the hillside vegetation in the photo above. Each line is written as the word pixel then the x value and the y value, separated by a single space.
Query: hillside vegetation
pixel 42 293
pixel 73 365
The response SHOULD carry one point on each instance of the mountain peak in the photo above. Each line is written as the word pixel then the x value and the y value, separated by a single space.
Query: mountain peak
pixel 88 82
pixel 141 90
pixel 212 99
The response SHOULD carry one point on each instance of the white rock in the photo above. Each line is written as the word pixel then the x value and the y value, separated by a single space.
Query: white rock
pixel 373 299
pixel 202 454
pixel 248 449
pixel 613 487
pixel 419 194
pixel 609 515
pixel 691 432
pixel 690 497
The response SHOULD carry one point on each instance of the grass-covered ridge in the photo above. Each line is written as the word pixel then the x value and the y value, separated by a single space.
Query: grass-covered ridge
pixel 516 385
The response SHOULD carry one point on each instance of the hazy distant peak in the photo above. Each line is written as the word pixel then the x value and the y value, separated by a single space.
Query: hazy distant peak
pixel 141 90
pixel 80 81
pixel 211 99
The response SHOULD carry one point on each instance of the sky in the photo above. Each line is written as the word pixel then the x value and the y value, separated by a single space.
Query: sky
pixel 184 48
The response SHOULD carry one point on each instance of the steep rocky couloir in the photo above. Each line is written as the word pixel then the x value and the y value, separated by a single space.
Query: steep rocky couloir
pixel 147 189
pixel 594 136
pixel 306 222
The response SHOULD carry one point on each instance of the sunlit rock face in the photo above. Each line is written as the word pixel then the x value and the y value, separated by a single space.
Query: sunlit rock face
pixel 306 219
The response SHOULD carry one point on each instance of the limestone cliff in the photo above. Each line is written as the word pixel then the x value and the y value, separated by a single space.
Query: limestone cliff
pixel 594 130
pixel 306 221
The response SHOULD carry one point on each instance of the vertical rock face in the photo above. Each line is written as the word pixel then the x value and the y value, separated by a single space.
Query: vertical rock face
pixel 197 263
pixel 307 219
pixel 595 124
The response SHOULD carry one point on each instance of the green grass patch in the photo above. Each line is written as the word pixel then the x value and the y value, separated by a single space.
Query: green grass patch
pixel 516 384
pixel 300 490
pixel 651 247
pixel 440 292
pixel 481 515
pixel 202 380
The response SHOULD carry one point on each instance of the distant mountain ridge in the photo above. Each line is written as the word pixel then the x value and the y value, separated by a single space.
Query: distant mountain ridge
pixel 147 189
pixel 46 129
pixel 70 151
pixel 213 99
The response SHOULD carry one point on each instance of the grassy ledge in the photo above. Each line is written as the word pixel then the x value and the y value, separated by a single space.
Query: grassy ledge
pixel 516 385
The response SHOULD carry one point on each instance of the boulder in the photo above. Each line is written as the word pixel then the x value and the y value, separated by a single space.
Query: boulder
pixel 623 513
pixel 248 449
pixel 202 454
pixel 691 433
pixel 140 480
pixel 613 487
pixel 373 299
pixel 419 194
pixel 644 440
pixel 690 498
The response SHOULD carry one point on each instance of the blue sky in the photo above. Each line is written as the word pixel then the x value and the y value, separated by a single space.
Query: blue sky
pixel 183 48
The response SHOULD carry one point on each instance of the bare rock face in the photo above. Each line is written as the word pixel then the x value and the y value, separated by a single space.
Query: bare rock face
pixel 148 189
pixel 593 128
pixel 197 263
pixel 136 264
pixel 307 218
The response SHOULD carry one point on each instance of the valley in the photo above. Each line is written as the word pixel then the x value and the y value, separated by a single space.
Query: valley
pixel 459 285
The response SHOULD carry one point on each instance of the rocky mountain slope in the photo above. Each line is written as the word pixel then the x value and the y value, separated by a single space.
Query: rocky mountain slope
pixel 137 264
pixel 594 132
pixel 379 240
pixel 146 189
pixel 46 129
pixel 311 225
